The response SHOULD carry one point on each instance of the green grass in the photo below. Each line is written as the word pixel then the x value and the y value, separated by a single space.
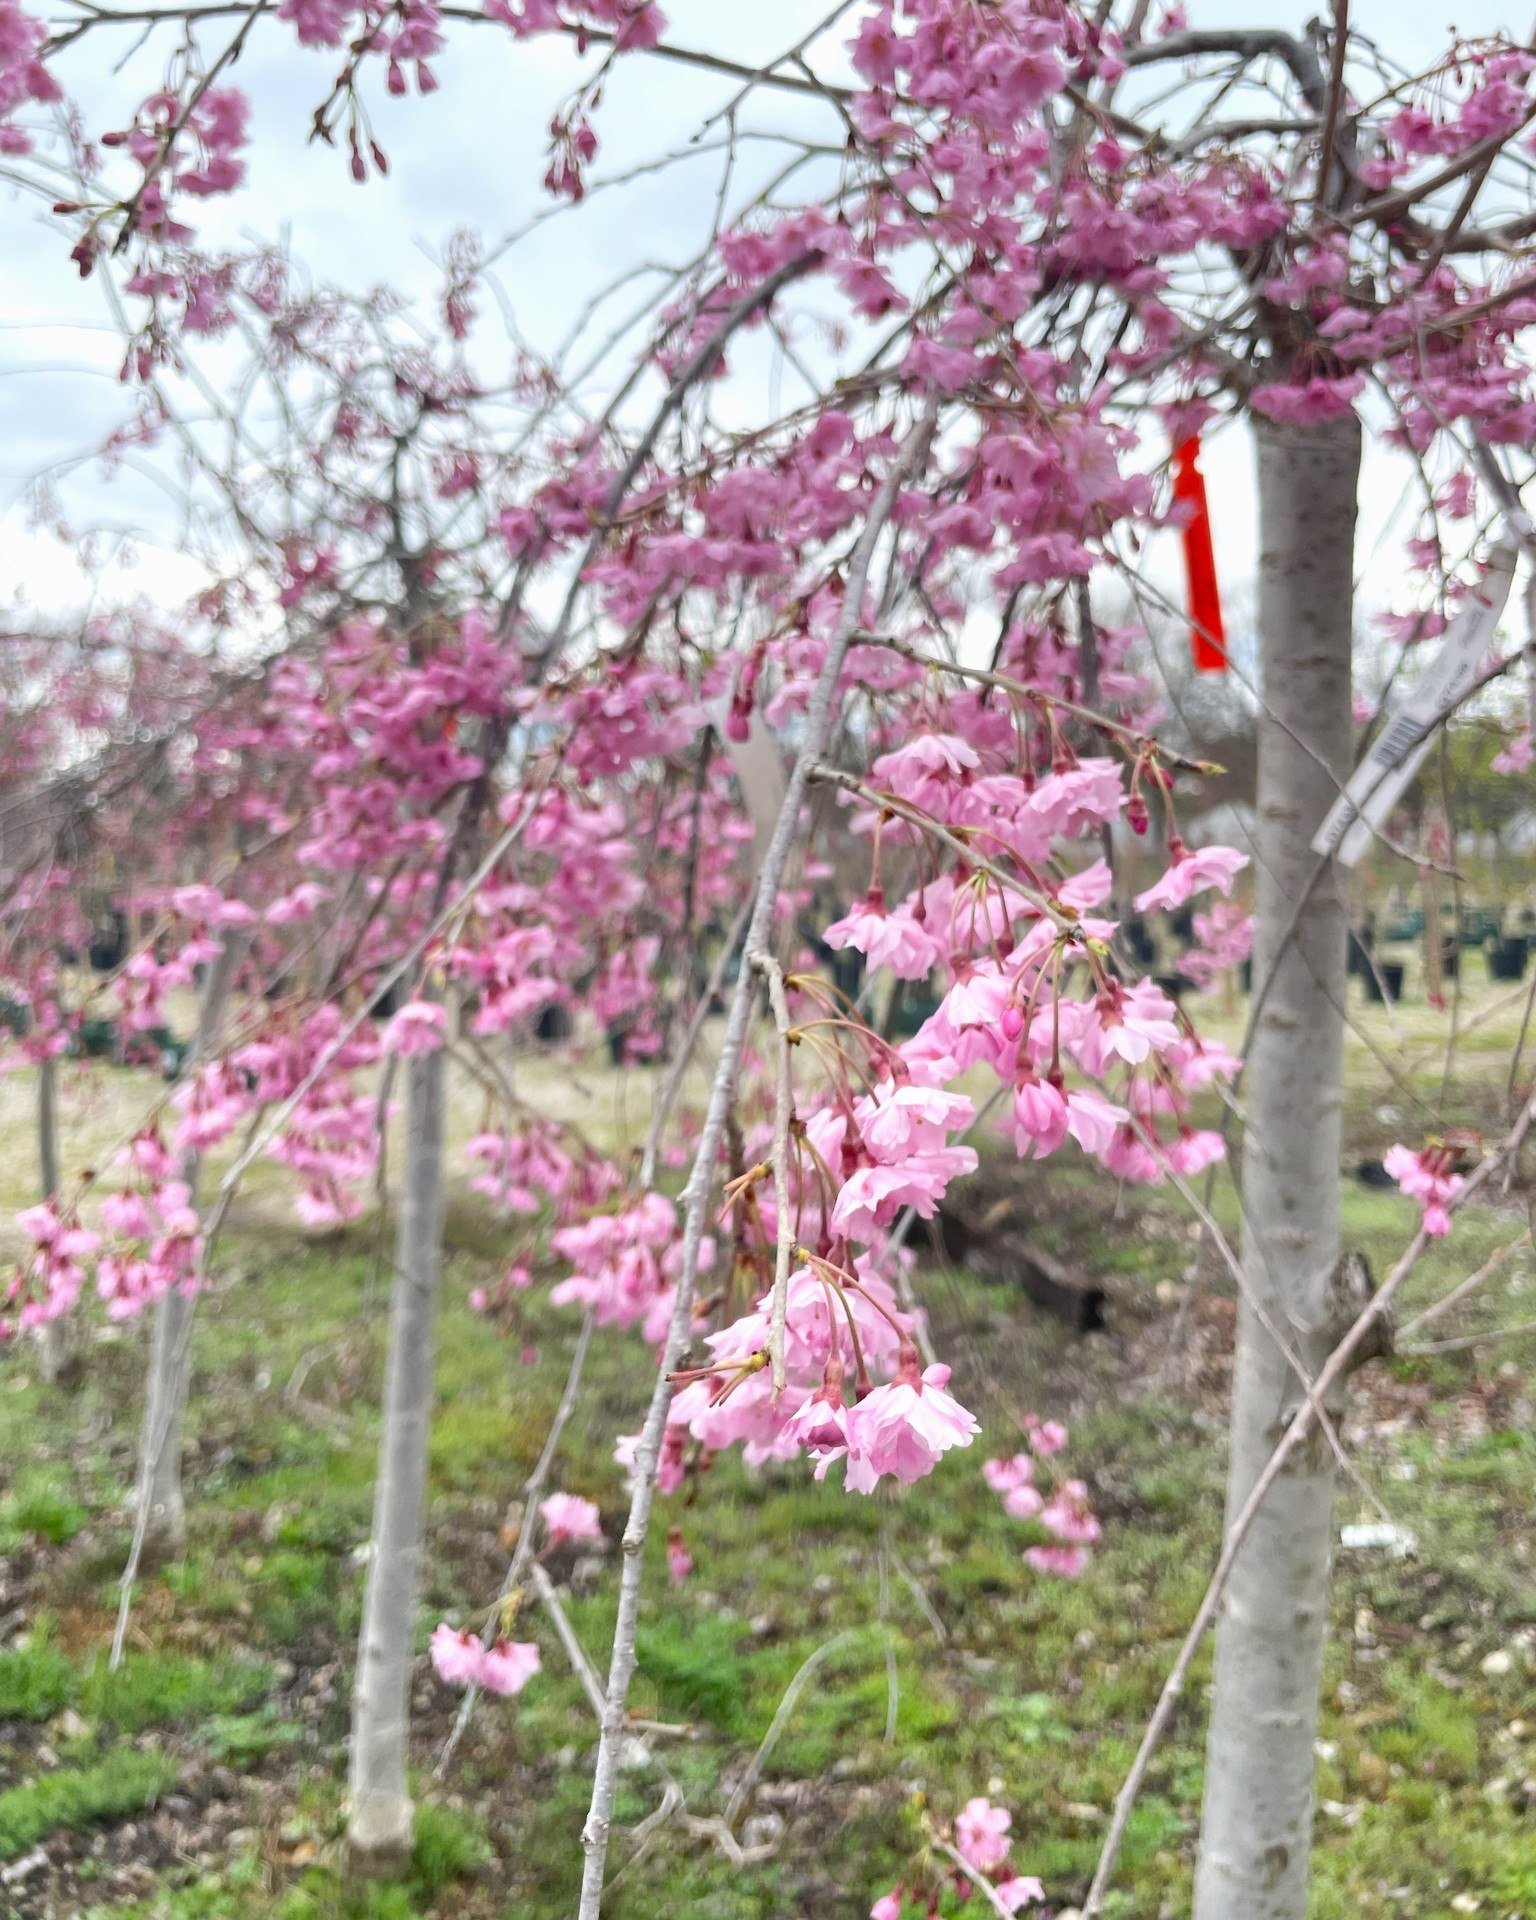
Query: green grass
pixel 154 1687
pixel 148 1689
pixel 36 1680
pixel 240 1657
pixel 80 1797
pixel 42 1508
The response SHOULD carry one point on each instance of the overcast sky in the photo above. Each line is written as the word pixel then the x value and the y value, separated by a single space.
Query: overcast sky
pixel 471 155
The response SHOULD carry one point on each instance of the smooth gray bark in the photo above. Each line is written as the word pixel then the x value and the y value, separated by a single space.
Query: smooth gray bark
pixel 162 1528
pixel 379 1812
pixel 1257 1823
pixel 52 1337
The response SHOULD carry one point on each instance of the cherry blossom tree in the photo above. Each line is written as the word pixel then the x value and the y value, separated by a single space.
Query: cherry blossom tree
pixel 516 668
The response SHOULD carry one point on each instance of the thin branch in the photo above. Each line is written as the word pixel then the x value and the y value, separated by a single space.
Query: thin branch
pixel 667 1098
pixel 1467 1341
pixel 533 1487
pixel 785 1708
pixel 1457 1294
pixel 783 1204
pixel 817 731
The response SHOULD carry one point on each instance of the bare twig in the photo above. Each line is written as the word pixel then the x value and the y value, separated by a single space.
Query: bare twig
pixel 783 1205
pixel 575 1652
pixel 1459 1293
pixel 1468 1341
pixel 785 1708
pixel 533 1487
pixel 667 1098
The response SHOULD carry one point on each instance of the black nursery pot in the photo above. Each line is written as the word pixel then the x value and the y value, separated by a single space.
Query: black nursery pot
pixel 1385 982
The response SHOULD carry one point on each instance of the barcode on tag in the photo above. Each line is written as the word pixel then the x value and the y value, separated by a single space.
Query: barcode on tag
pixel 1397 739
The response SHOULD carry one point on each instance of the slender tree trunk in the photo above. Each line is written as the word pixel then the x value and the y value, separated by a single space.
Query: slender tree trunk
pixel 162 1509
pixel 379 1817
pixel 1257 1824
pixel 53 1342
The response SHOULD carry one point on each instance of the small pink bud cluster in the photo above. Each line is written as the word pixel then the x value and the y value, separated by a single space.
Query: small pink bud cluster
pixel 462 1659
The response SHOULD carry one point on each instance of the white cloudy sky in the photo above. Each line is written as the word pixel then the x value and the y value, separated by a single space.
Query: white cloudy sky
pixel 469 156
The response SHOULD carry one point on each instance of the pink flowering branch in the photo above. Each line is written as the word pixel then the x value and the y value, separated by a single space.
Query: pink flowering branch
pixel 1010 683
pixel 783 1204
pixel 171 1352
pixel 889 803
pixel 455 908
pixel 974 1875
pixel 817 731
pixel 700 364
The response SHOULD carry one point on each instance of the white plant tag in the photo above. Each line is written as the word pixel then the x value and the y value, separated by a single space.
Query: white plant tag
pixel 759 769
pixel 1399 750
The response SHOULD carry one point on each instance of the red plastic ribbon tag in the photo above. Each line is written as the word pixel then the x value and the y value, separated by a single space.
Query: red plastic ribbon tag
pixel 1208 636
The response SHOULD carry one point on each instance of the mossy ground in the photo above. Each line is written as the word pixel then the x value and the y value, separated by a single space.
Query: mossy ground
pixel 204 1781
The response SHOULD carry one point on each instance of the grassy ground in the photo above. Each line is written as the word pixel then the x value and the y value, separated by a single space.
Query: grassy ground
pixel 203 1781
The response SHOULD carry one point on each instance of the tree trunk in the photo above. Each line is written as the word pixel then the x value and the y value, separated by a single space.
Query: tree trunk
pixel 53 1343
pixel 1257 1821
pixel 170 1354
pixel 379 1817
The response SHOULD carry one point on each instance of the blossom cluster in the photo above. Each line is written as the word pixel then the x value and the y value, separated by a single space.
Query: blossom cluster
pixel 463 1659
pixel 1428 1177
pixel 1062 1510
pixel 982 1842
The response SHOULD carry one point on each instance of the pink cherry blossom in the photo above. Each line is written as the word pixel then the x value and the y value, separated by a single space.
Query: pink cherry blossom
pixel 507 1666
pixel 419 1027
pixel 1003 1476
pixel 1133 1023
pixel 1092 1120
pixel 1040 1116
pixel 873 1196
pixel 1189 872
pixel 904 1428
pixel 567 1517
pixel 1065 1563
pixel 887 938
pixel 1068 1516
pixel 1194 1150
pixel 981 1834
pixel 457 1656
pixel 901 1121
pixel 1426 1177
